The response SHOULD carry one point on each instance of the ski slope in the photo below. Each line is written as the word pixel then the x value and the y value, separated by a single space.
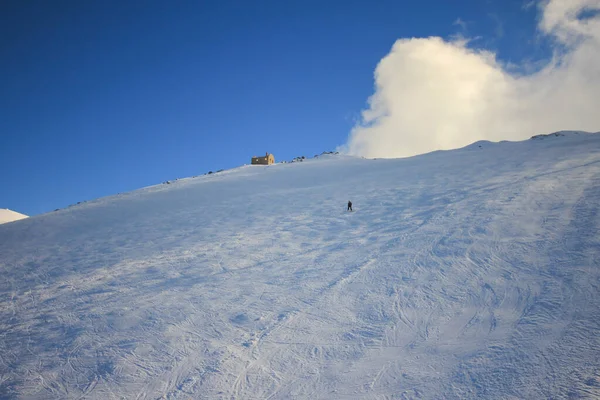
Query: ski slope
pixel 463 274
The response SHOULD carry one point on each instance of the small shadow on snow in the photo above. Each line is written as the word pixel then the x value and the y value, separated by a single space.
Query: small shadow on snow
pixel 239 319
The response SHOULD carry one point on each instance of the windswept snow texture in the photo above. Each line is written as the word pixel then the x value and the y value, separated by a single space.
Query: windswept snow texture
pixel 7 215
pixel 462 274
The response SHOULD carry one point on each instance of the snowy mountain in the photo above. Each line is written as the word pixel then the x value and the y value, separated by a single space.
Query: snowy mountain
pixel 464 274
pixel 7 215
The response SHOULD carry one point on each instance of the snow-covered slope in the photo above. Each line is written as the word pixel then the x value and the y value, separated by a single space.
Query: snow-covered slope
pixel 471 273
pixel 7 215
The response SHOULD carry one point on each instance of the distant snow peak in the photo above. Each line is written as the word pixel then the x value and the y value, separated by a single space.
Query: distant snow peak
pixel 558 134
pixel 7 215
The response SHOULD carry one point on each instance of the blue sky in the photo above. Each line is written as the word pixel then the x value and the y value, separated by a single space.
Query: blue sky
pixel 103 97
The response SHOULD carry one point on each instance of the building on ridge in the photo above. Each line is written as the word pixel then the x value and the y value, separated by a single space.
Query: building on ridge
pixel 267 159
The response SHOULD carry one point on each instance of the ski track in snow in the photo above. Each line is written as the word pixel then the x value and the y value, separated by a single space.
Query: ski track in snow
pixel 470 273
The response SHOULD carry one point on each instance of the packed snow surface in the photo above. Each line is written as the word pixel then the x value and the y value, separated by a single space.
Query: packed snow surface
pixel 463 274
pixel 7 215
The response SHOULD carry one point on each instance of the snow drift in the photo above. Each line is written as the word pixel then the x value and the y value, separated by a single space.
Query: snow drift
pixel 471 273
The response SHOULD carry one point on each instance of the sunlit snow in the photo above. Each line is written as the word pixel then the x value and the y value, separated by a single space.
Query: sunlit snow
pixel 7 215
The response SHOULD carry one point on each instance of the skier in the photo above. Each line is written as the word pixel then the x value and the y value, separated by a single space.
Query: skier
pixel 349 205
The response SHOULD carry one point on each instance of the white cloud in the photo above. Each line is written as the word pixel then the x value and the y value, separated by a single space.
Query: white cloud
pixel 461 23
pixel 499 31
pixel 528 4
pixel 433 94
